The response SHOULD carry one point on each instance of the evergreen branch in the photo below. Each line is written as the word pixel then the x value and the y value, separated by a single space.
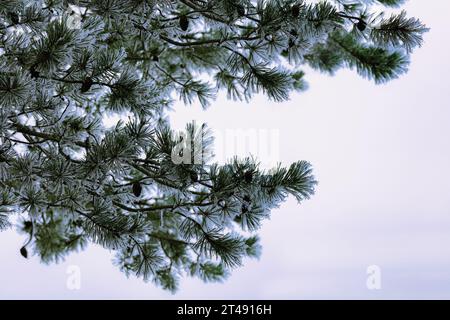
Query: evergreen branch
pixel 208 41
pixel 48 136
pixel 75 181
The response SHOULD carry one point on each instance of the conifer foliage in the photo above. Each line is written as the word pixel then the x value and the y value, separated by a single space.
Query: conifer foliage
pixel 69 181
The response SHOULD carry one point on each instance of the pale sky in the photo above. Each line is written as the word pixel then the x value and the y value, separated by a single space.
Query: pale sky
pixel 381 155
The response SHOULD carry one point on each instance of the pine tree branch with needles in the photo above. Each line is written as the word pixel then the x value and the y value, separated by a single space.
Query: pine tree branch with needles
pixel 140 189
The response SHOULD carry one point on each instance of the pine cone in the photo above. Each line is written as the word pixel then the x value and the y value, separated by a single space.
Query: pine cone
pixel 24 252
pixel 87 84
pixel 184 22
pixel 361 25
pixel 137 189
pixel 34 73
pixel 27 225
pixel 248 176
pixel 240 10
pixel 295 10
pixel 14 17
pixel 194 176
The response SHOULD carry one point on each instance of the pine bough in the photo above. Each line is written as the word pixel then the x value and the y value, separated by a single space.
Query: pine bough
pixel 69 181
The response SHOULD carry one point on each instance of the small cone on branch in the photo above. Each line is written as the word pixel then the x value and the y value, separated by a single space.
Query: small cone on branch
pixel 194 176
pixel 27 226
pixel 248 176
pixel 87 84
pixel 240 10
pixel 34 73
pixel 14 17
pixel 361 25
pixel 137 189
pixel 184 22
pixel 24 252
pixel 295 10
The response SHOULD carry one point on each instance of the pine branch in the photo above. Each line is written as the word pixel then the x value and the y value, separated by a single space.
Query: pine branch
pixel 72 181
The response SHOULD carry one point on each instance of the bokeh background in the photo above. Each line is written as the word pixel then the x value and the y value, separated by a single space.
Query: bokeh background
pixel 381 155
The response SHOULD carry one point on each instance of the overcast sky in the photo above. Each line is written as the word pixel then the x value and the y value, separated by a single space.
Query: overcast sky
pixel 381 155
